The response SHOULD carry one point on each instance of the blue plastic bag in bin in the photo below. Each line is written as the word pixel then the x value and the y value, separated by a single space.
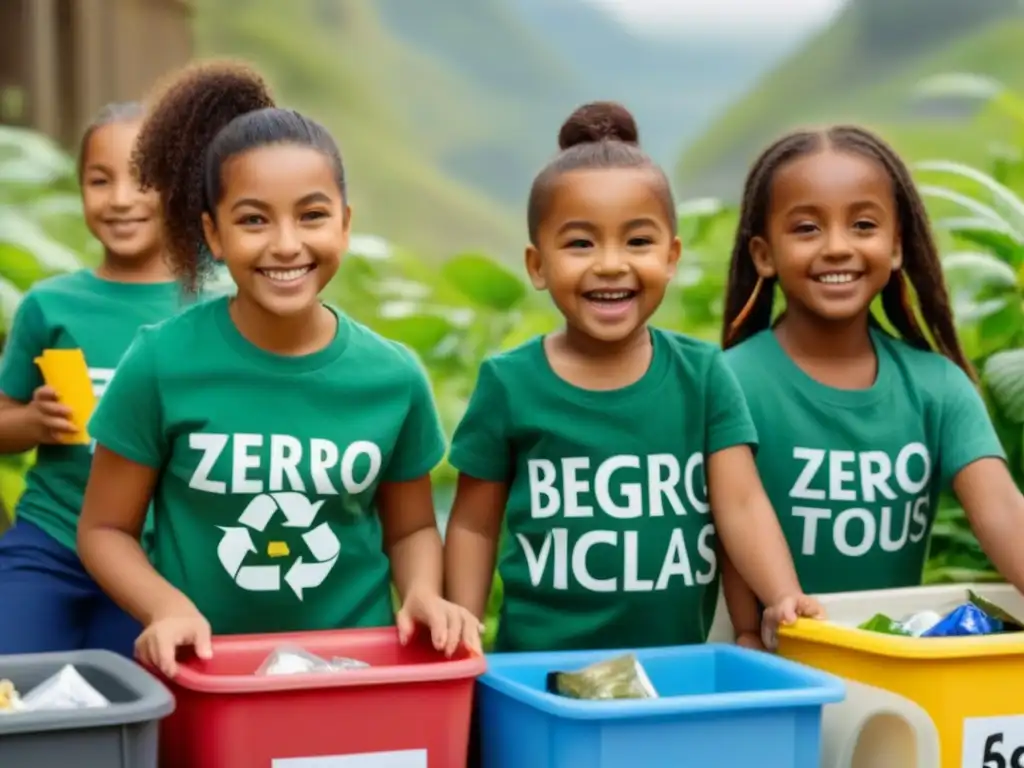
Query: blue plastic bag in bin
pixel 968 619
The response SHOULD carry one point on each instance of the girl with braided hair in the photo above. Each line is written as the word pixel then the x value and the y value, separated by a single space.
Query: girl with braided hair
pixel 860 429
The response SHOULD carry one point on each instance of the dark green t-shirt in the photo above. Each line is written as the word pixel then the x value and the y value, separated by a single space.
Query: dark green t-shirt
pixel 609 541
pixel 855 475
pixel 269 465
pixel 78 310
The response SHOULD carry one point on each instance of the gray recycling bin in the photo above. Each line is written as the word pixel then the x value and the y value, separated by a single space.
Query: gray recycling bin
pixel 122 735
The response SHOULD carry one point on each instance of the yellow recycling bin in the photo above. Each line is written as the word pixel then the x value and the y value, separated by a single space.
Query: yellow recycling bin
pixel 971 687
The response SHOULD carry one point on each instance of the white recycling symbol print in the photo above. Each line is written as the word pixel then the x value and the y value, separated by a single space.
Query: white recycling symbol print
pixel 299 512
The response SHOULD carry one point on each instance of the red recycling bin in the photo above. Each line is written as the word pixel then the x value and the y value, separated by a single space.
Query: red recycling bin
pixel 409 709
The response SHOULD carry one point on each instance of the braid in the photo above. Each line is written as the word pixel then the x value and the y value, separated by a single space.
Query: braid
pixel 746 314
pixel 921 264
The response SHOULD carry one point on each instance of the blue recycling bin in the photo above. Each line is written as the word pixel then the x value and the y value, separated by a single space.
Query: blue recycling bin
pixel 718 706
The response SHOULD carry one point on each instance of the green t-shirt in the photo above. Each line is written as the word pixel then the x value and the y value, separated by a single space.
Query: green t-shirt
pixel 609 541
pixel 77 310
pixel 855 475
pixel 264 510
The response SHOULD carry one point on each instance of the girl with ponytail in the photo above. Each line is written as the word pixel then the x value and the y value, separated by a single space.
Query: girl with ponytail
pixel 286 448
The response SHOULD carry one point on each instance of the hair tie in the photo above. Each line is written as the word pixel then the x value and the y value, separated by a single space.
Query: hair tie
pixel 741 318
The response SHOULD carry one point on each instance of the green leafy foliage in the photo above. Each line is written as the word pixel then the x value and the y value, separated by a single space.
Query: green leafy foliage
pixel 472 305
pixel 485 282
pixel 981 218
pixel 41 234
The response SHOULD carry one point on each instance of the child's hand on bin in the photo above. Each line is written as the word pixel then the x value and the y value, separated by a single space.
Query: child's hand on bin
pixel 785 612
pixel 158 644
pixel 751 640
pixel 449 623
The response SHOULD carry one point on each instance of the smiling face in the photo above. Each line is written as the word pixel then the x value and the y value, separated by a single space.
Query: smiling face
pixel 281 226
pixel 119 214
pixel 832 235
pixel 605 250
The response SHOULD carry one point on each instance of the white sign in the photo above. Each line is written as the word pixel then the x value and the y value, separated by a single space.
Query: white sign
pixel 408 758
pixel 994 742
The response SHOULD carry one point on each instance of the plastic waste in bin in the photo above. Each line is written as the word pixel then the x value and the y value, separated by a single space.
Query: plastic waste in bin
pixel 121 735
pixel 409 709
pixel 965 684
pixel 719 707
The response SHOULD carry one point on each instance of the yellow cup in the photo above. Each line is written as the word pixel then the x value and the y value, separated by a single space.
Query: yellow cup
pixel 66 372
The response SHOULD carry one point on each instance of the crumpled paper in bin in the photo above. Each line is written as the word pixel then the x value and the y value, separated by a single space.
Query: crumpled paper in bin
pixel 67 689
pixel 10 699
pixel 293 660
pixel 619 678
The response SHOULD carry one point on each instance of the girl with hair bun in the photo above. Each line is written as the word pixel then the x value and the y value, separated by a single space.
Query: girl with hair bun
pixel 615 453
pixel 286 448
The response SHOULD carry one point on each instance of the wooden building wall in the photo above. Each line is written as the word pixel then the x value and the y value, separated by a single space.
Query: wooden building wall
pixel 61 60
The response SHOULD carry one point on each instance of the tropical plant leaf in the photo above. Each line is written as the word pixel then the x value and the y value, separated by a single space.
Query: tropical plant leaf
pixel 955 575
pixel 973 86
pixel 1004 377
pixel 999 239
pixel 977 208
pixel 968 203
pixel 958 84
pixel 484 281
pixel 1010 434
pixel 698 217
pixel 19 266
pixel 32 159
pixel 1000 329
pixel 1004 199
pixel 59 216
pixel 370 247
pixel 1007 163
pixel 23 234
pixel 531 324
pixel 10 298
pixel 980 284
pixel 422 332
pixel 12 484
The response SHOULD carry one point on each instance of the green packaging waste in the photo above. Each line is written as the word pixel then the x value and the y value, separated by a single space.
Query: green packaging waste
pixel 883 624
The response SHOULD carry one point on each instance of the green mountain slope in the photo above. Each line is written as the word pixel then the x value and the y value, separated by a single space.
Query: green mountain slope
pixel 334 59
pixel 496 130
pixel 845 74
pixel 673 85
pixel 529 63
